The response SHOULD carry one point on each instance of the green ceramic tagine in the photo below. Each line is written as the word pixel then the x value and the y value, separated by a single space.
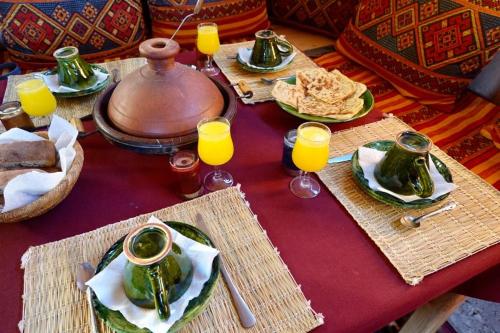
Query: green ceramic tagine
pixel 157 272
pixel 72 70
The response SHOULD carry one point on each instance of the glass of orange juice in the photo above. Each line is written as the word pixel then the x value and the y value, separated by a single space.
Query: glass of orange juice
pixel 309 154
pixel 208 43
pixel 36 98
pixel 215 147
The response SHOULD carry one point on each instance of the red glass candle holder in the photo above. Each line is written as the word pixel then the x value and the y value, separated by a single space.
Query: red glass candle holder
pixel 185 165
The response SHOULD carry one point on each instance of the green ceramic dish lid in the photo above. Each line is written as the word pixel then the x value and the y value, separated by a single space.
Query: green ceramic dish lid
pixel 116 321
pixel 100 85
pixel 385 145
pixel 368 104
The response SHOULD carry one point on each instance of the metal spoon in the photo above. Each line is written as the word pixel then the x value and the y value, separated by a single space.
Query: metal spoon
pixel 414 222
pixel 271 81
pixel 84 273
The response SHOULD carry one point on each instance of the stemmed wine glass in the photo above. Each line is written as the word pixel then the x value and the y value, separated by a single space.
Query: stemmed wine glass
pixel 208 43
pixel 215 147
pixel 309 154
pixel 36 98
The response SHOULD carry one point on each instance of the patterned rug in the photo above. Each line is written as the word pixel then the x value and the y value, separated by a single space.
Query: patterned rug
pixel 463 135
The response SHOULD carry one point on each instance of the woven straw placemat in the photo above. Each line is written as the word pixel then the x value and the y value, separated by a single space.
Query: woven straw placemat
pixel 440 241
pixel 52 302
pixel 234 73
pixel 68 108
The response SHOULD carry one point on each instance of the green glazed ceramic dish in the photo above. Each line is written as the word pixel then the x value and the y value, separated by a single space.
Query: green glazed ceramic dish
pixel 116 321
pixel 260 70
pixel 386 145
pixel 367 107
pixel 98 87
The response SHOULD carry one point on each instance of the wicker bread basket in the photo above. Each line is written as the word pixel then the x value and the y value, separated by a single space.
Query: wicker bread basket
pixel 50 199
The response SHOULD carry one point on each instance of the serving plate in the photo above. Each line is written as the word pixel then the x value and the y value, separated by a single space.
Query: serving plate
pixel 100 85
pixel 368 104
pixel 257 69
pixel 386 145
pixel 116 321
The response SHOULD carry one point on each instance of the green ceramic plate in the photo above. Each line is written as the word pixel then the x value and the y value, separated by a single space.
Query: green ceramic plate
pixel 385 145
pixel 260 69
pixel 98 87
pixel 367 107
pixel 116 321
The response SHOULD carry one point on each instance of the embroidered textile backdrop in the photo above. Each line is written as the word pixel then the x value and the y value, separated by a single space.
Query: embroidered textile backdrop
pixel 429 49
pixel 101 29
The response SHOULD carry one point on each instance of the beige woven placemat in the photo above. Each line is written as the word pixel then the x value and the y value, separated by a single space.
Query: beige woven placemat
pixel 72 107
pixel 261 91
pixel 440 241
pixel 52 302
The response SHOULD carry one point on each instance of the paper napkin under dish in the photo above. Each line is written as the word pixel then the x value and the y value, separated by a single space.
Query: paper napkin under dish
pixel 52 81
pixel 107 285
pixel 28 187
pixel 369 158
pixel 245 53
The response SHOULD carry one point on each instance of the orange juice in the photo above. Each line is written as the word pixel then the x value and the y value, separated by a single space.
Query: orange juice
pixel 310 152
pixel 215 145
pixel 208 39
pixel 36 98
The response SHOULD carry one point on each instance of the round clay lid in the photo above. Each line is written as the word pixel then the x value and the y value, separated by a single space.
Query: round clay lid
pixel 163 98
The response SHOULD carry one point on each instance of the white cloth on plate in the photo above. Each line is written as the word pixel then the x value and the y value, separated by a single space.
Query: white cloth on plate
pixel 368 160
pixel 245 53
pixel 52 81
pixel 107 285
pixel 28 187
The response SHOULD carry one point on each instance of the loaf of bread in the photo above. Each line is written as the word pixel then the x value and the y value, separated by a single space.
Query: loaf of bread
pixel 7 175
pixel 28 154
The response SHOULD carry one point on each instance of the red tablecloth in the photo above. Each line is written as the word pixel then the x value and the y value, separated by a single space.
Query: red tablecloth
pixel 340 269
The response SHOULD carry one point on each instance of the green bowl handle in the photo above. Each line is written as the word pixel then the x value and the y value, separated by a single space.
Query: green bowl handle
pixel 423 185
pixel 286 45
pixel 160 291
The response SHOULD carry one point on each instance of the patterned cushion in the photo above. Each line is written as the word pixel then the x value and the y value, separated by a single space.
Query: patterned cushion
pixel 429 49
pixel 101 29
pixel 328 17
pixel 235 18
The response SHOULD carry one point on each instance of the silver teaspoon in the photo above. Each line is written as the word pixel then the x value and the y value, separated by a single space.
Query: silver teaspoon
pixel 84 273
pixel 414 222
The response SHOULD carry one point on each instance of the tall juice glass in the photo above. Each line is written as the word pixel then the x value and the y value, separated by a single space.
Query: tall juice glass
pixel 208 43
pixel 36 98
pixel 215 147
pixel 309 154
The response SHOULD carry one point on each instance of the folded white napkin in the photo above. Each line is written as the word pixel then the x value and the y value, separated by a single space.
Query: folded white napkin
pixel 107 285
pixel 52 82
pixel 245 53
pixel 369 158
pixel 28 187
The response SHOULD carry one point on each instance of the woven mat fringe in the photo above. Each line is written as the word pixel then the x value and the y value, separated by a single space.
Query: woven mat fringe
pixel 234 73
pixel 259 272
pixel 439 242
pixel 68 108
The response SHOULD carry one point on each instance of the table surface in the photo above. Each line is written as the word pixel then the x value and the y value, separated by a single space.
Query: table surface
pixel 340 269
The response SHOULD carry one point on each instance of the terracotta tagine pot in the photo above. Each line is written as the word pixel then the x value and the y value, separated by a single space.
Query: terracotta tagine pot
pixel 163 98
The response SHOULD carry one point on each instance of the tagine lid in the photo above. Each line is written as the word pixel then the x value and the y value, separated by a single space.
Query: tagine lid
pixel 163 98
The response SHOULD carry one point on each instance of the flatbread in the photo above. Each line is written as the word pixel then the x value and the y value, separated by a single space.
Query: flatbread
pixel 285 93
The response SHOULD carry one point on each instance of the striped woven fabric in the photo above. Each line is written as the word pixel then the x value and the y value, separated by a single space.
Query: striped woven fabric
pixel 456 133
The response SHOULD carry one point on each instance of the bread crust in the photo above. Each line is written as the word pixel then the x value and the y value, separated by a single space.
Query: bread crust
pixel 28 154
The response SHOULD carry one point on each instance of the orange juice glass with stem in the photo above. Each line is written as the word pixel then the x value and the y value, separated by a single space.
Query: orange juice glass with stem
pixel 36 98
pixel 309 154
pixel 215 147
pixel 208 43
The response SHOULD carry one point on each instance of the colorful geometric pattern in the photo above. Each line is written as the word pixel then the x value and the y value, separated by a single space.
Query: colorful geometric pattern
pixel 463 135
pixel 101 29
pixel 324 16
pixel 428 49
pixel 235 19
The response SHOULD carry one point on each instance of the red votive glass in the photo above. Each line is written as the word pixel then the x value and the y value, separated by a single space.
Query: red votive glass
pixel 185 165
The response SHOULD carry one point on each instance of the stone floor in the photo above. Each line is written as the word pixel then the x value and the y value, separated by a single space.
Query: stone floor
pixel 476 316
